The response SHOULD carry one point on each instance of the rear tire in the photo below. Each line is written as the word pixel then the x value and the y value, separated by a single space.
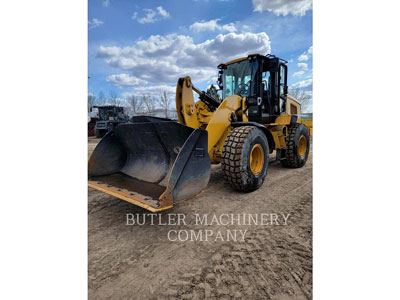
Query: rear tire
pixel 245 158
pixel 298 146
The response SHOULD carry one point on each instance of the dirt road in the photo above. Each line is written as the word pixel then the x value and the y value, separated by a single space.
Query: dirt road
pixel 273 262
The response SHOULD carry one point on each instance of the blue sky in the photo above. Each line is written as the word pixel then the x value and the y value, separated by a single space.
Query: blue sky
pixel 140 46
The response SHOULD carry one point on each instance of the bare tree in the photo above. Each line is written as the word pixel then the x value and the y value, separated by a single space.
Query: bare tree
pixel 113 98
pixel 164 102
pixel 136 103
pixel 91 100
pixel 148 103
pixel 300 95
pixel 101 99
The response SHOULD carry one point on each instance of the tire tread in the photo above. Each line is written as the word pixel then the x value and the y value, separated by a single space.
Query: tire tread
pixel 291 160
pixel 231 156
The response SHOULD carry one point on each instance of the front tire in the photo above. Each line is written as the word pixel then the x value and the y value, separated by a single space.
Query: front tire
pixel 245 158
pixel 298 146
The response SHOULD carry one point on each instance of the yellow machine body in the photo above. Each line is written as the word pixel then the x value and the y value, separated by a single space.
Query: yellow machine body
pixel 217 123
pixel 155 163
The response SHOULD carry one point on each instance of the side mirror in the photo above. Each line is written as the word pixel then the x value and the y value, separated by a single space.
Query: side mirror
pixel 220 83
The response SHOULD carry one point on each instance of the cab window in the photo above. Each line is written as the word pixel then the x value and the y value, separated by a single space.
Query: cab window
pixel 282 85
pixel 282 82
pixel 266 80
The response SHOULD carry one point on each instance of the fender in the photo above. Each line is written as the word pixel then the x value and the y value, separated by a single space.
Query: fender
pixel 221 119
pixel 267 133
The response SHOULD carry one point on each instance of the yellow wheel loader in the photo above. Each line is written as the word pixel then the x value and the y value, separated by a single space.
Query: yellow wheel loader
pixel 155 163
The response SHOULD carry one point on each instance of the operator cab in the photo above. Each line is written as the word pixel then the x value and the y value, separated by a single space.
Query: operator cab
pixel 261 79
pixel 111 113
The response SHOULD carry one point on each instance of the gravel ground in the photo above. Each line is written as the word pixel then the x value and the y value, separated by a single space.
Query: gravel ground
pixel 273 262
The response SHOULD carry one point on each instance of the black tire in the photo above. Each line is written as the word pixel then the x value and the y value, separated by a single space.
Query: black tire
pixel 99 133
pixel 293 157
pixel 236 158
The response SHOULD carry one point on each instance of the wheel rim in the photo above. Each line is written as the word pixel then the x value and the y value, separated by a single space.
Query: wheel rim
pixel 302 148
pixel 256 159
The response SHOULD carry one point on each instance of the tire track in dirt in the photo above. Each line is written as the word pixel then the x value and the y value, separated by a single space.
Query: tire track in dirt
pixel 138 262
pixel 242 271
pixel 270 264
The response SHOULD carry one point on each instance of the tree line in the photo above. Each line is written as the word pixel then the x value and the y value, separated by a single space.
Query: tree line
pixel 163 104
pixel 138 104
pixel 301 96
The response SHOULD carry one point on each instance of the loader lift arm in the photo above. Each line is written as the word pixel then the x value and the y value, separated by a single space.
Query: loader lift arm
pixel 154 163
pixel 207 113
pixel 211 103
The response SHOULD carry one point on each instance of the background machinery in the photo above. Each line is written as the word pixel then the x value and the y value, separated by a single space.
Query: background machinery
pixel 155 163
pixel 93 117
pixel 109 117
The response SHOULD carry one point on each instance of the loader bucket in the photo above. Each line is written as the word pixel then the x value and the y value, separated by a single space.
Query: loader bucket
pixel 151 162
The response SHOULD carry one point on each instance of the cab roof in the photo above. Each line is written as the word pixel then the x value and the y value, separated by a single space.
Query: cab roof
pixel 252 56
pixel 242 58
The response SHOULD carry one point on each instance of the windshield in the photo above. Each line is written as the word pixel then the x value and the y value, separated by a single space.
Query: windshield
pixel 107 113
pixel 239 78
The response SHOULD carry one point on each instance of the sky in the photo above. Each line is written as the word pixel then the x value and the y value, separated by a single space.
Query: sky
pixel 141 46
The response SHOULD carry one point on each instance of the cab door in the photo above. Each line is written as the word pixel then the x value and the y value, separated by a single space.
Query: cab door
pixel 282 87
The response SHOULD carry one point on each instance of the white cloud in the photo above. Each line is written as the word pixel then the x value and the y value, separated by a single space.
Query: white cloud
pixel 283 7
pixel 162 12
pixel 151 15
pixel 298 74
pixel 212 80
pixel 204 26
pixel 308 108
pixel 302 84
pixel 124 80
pixel 108 51
pixel 303 57
pixel 153 91
pixel 95 23
pixel 302 66
pixel 212 25
pixel 245 27
pixel 163 59
pixel 106 3
pixel 229 27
